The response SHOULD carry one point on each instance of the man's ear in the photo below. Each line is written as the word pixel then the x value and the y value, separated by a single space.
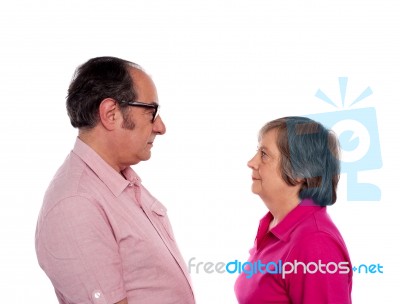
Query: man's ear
pixel 109 113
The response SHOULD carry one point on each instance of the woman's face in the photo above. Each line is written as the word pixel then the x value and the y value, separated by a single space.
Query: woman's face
pixel 266 175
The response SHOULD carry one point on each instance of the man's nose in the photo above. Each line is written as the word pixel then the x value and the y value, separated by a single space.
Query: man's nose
pixel 159 126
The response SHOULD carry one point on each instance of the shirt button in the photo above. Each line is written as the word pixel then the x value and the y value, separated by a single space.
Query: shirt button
pixel 96 294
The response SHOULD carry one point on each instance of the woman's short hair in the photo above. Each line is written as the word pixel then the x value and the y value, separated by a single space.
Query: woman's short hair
pixel 95 80
pixel 309 155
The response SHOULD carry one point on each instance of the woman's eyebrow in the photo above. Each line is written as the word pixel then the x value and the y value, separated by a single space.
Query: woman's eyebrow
pixel 263 148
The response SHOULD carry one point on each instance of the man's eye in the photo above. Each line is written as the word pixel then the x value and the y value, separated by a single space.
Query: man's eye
pixel 150 112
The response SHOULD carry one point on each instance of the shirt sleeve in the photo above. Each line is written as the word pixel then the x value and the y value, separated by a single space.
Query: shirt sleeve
pixel 319 271
pixel 77 250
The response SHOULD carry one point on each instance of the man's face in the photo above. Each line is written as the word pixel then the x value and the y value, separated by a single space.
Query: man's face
pixel 137 132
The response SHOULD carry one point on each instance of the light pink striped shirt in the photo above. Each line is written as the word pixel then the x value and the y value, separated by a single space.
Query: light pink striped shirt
pixel 101 237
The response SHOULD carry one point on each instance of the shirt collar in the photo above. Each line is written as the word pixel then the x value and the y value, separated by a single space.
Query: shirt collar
pixel 111 178
pixel 284 228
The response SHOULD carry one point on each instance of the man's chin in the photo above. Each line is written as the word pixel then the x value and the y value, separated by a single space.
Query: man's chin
pixel 146 156
pixel 141 158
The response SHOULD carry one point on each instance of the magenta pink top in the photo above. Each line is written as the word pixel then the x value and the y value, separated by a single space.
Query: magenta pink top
pixel 102 237
pixel 302 260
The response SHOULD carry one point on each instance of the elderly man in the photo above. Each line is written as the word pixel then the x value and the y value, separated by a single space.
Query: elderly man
pixel 101 237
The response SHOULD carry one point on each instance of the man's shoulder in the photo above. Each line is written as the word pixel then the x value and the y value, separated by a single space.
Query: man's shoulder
pixel 70 180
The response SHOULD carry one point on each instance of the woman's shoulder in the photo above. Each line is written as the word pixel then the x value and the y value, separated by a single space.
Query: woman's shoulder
pixel 318 238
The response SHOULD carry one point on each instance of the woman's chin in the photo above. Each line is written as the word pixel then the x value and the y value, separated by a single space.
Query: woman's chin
pixel 255 189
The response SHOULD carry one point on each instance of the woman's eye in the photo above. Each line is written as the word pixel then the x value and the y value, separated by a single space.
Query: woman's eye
pixel 263 154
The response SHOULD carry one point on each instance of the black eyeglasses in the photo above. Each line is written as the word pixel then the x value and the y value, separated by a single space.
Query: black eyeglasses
pixel 154 106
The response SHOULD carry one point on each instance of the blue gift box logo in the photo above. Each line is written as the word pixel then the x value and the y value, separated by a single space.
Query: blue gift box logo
pixel 357 130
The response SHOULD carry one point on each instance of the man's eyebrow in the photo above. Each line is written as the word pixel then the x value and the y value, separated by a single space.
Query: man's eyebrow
pixel 150 104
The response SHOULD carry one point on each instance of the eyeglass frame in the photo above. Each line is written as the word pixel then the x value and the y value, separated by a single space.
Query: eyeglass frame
pixel 140 104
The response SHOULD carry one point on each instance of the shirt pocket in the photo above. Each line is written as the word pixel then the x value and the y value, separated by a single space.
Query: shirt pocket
pixel 160 212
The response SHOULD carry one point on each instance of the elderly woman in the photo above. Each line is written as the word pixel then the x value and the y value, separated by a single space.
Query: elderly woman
pixel 299 256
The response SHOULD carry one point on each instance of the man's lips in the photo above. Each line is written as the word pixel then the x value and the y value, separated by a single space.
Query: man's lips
pixel 254 178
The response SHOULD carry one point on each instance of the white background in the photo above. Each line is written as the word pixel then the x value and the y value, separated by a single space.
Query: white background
pixel 222 70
